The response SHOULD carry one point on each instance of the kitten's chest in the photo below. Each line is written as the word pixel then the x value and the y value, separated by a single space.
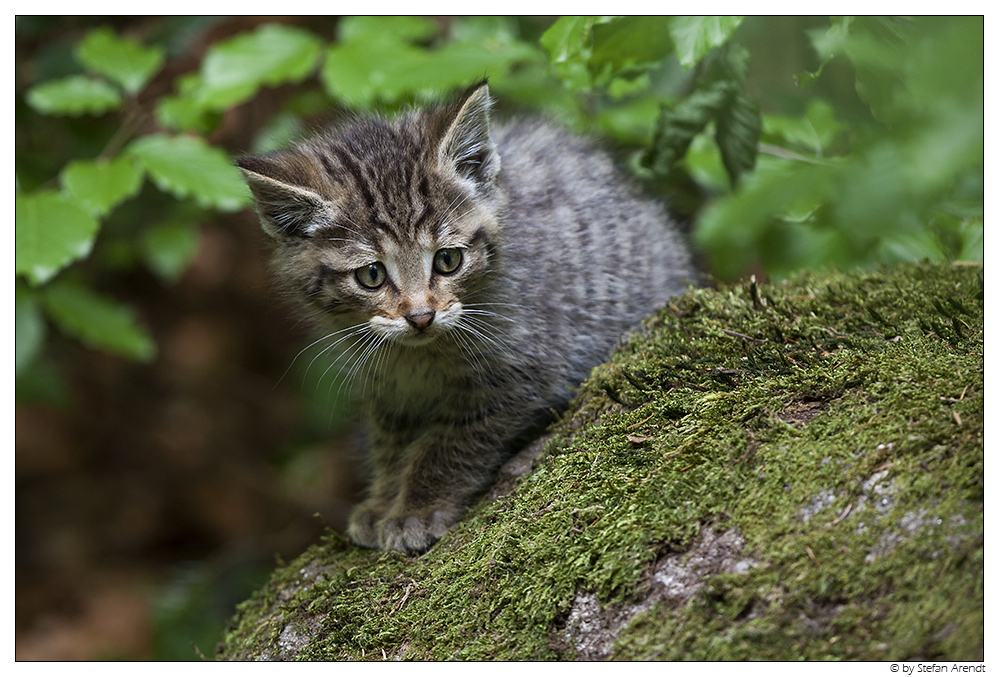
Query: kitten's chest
pixel 417 381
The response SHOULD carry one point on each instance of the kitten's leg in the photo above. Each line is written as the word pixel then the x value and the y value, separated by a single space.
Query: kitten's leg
pixel 444 471
pixel 386 454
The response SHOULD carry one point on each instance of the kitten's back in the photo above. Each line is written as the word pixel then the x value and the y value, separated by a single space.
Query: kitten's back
pixel 584 247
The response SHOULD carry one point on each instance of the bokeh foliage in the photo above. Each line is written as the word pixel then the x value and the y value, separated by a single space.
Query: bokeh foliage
pixel 787 142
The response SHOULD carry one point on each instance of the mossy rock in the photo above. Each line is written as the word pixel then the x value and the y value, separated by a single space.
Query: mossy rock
pixel 777 471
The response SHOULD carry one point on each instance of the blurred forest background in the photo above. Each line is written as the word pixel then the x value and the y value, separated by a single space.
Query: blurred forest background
pixel 169 445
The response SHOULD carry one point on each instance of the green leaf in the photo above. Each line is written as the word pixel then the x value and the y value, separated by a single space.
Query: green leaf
pixel 185 166
pixel 718 97
pixel 879 49
pixel 386 28
pixel 99 185
pixel 74 95
pixel 587 51
pixel 677 126
pixel 737 132
pixel 971 241
pixel 183 111
pixel 569 43
pixel 630 122
pixel 695 36
pixel 569 39
pixel 29 328
pixel 97 321
pixel 704 164
pixel 947 66
pixel 628 44
pixel 236 69
pixel 458 64
pixel 122 60
pixel 830 42
pixel 827 44
pixel 168 248
pixel 501 29
pixel 362 73
pixel 50 233
pixel 356 75
pixel 815 132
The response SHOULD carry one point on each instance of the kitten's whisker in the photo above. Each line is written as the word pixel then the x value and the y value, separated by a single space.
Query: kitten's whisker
pixel 357 232
pixel 480 313
pixel 452 206
pixel 345 355
pixel 357 329
pixel 494 331
pixel 374 366
pixel 298 355
pixel 351 222
pixel 449 219
pixel 369 343
pixel 359 354
pixel 365 362
pixel 300 352
pixel 466 348
pixel 476 305
pixel 485 332
pixel 340 359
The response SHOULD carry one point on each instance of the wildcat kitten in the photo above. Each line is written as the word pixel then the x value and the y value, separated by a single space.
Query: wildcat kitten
pixel 467 300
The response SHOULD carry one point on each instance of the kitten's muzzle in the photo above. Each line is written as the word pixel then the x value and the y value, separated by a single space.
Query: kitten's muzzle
pixel 420 320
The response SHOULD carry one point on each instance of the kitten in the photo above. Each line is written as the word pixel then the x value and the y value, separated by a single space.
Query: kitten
pixel 468 300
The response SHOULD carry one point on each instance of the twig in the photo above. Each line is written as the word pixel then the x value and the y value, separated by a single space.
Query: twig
pixel 959 399
pixel 842 515
pixel 743 336
pixel 404 598
pixel 635 425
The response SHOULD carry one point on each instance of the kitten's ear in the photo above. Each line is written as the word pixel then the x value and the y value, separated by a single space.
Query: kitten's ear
pixel 466 144
pixel 284 208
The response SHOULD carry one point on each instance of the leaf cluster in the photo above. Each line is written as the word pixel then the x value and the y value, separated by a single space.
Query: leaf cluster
pixel 907 185
pixel 788 143
pixel 58 222
pixel 874 154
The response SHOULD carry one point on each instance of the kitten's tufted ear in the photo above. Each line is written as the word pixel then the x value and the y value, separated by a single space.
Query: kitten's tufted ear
pixel 284 208
pixel 466 144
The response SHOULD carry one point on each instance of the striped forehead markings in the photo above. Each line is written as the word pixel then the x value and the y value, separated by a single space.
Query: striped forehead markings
pixel 353 168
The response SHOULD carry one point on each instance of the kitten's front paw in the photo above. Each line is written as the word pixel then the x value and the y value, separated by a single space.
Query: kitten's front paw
pixel 362 528
pixel 415 533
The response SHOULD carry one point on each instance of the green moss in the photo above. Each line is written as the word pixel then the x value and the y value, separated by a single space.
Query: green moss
pixel 834 421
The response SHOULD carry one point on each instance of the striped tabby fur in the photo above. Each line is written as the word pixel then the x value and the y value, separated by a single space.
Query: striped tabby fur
pixel 468 300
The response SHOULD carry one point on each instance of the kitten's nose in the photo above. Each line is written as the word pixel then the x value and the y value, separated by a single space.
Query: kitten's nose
pixel 421 320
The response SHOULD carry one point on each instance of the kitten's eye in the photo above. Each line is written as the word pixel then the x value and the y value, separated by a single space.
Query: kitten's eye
pixel 371 276
pixel 446 261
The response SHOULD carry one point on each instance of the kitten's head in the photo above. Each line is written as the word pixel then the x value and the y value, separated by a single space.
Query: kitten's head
pixel 388 223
